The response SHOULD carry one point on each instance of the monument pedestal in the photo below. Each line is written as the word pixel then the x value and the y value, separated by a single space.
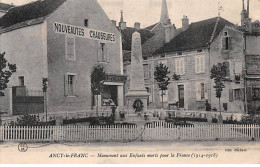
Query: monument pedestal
pixel 132 96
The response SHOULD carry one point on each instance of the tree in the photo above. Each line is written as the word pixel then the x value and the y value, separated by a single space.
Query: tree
pixel 98 77
pixel 5 73
pixel 161 76
pixel 218 73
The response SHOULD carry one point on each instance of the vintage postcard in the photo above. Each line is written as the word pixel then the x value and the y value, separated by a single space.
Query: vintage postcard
pixel 129 82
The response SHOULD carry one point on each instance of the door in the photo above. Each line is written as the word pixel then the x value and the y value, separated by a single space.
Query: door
pixel 181 95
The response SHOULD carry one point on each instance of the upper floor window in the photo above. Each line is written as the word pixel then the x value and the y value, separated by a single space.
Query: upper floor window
pixel 200 64
pixel 226 41
pixel 70 48
pixel 102 53
pixel 21 81
pixel 86 22
pixel 179 66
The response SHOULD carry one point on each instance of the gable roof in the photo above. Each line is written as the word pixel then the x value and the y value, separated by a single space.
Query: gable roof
pixel 30 11
pixel 198 35
pixel 4 6
pixel 151 27
pixel 127 37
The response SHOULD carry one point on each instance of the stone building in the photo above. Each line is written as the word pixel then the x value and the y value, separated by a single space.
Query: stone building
pixel 60 40
pixel 193 50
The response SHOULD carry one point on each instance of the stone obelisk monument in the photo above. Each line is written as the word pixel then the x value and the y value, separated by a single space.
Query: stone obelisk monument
pixel 137 89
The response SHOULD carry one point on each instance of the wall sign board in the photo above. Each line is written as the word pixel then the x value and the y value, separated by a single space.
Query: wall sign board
pixel 83 32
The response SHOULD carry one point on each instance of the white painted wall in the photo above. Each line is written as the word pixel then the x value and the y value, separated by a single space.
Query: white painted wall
pixel 26 47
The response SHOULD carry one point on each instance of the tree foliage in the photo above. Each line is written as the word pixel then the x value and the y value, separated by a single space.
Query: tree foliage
pixel 98 76
pixel 218 73
pixel 161 76
pixel 6 71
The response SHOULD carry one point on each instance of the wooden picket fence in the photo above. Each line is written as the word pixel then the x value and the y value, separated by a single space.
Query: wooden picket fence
pixel 151 132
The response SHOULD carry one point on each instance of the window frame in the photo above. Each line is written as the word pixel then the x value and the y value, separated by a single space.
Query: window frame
pixel 73 85
pixel 200 64
pixel 237 94
pixel 74 48
pixel 180 66
pixel 21 80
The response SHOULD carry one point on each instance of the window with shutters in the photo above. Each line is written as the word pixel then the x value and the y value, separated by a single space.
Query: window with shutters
pixel 179 66
pixel 199 64
pixel 70 48
pixel 202 92
pixel 226 42
pixel 237 95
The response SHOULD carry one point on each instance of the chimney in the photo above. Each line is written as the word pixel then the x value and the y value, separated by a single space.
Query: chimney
pixel 185 22
pixel 137 25
pixel 113 22
pixel 122 24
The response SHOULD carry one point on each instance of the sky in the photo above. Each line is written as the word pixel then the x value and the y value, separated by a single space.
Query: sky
pixel 147 12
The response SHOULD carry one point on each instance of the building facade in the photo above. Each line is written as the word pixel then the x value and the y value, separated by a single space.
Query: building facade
pixel 63 40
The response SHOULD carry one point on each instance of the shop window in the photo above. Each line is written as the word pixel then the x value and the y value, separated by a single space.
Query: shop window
pixel 70 48
pixel 21 81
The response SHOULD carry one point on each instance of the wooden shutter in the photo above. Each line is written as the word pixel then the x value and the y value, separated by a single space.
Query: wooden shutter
pixel 75 85
pixel 206 90
pixel 242 94
pixel 198 91
pixel 99 51
pixel 223 43
pixel 106 53
pixel 65 85
pixel 231 96
pixel 229 43
pixel 196 64
pixel 249 94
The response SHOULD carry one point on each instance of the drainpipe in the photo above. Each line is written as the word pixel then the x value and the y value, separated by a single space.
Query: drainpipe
pixel 244 75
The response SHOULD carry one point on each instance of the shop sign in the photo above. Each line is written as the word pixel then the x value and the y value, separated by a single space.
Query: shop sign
pixel 83 32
